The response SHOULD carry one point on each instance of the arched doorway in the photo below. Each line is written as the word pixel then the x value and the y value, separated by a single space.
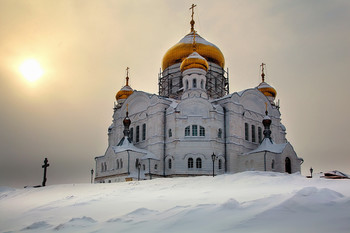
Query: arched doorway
pixel 288 166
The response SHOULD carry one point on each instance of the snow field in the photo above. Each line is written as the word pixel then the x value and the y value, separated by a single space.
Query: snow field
pixel 243 202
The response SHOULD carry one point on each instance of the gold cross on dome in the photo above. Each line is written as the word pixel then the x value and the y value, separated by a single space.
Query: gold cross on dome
pixel 192 21
pixel 192 8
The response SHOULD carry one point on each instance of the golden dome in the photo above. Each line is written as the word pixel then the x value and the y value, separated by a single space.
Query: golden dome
pixel 267 90
pixel 184 48
pixel 125 92
pixel 194 61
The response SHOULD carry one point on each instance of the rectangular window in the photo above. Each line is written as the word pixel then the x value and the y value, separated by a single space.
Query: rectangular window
pixel 253 133
pixel 194 130
pixel 187 131
pixel 143 132
pixel 137 133
pixel 246 126
pixel 201 131
pixel 131 136
pixel 259 134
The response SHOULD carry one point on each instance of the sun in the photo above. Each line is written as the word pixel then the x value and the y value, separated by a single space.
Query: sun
pixel 31 70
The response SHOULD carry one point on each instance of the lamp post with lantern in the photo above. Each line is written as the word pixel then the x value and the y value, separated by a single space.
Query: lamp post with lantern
pixel 213 157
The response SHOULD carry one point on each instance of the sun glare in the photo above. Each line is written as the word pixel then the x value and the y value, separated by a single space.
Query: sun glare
pixel 31 70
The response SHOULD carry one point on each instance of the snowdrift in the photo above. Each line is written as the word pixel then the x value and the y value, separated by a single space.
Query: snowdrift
pixel 243 202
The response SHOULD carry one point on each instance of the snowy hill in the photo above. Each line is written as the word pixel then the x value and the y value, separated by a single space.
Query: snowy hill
pixel 244 202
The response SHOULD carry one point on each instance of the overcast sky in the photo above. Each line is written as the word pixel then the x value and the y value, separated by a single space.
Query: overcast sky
pixel 85 46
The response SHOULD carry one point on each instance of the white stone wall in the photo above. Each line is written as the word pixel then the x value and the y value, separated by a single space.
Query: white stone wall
pixel 196 109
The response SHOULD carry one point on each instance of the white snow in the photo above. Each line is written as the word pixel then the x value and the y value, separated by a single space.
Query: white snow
pixel 243 202
pixel 188 39
pixel 267 145
pixel 129 146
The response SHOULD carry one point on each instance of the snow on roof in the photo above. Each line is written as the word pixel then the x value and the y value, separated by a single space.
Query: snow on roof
pixel 174 103
pixel 188 39
pixel 269 146
pixel 126 145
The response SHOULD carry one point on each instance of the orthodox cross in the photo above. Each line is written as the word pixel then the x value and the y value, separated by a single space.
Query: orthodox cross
pixel 45 167
pixel 262 71
pixel 127 76
pixel 192 21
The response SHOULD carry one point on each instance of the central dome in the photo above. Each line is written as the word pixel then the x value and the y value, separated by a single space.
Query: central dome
pixel 184 48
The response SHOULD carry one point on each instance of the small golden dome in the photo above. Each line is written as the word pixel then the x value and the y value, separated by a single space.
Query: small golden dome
pixel 194 61
pixel 126 91
pixel 267 90
pixel 184 48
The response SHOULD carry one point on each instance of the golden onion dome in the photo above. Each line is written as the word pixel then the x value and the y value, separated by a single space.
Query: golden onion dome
pixel 125 92
pixel 184 48
pixel 194 60
pixel 267 90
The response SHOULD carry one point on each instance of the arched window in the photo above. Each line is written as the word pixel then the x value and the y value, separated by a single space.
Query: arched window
pixel 144 167
pixel 198 163
pixel 117 164
pixel 202 84
pixel 169 164
pixel 187 131
pixel 194 83
pixel 131 134
pixel 121 163
pixel 201 131
pixel 253 133
pixel 143 132
pixel 288 165
pixel 155 166
pixel 105 166
pixel 220 133
pixel 259 134
pixel 102 167
pixel 190 163
pixel 186 84
pixel 273 164
pixel 170 133
pixel 246 127
pixel 194 130
pixel 137 133
pixel 220 164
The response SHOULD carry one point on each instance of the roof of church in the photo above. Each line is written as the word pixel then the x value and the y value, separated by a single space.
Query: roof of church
pixel 126 144
pixel 269 146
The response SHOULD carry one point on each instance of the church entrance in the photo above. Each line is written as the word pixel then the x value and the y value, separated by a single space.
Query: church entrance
pixel 288 166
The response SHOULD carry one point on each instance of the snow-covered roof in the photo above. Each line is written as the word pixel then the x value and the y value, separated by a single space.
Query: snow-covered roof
pixel 127 145
pixel 188 39
pixel 269 146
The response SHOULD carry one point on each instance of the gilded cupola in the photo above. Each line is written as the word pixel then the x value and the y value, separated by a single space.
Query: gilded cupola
pixel 126 91
pixel 184 48
pixel 265 88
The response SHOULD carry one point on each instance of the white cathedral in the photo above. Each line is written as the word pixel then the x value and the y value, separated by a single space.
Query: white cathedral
pixel 194 126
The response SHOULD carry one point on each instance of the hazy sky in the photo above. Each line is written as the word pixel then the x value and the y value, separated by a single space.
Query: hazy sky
pixel 84 47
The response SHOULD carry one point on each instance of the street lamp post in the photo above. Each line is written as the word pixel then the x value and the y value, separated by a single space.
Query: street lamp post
pixel 311 171
pixel 138 167
pixel 92 174
pixel 213 157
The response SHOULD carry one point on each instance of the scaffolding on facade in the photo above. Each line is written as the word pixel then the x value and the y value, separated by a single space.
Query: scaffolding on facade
pixel 170 82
